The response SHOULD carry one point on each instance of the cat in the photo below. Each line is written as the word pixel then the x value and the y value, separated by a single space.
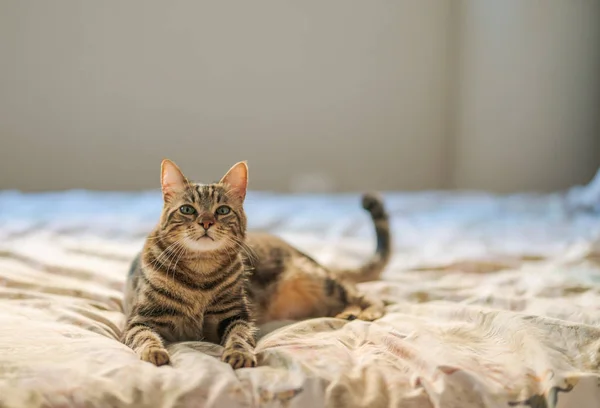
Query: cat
pixel 200 277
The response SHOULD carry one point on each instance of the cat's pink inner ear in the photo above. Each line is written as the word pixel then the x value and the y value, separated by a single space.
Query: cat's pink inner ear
pixel 172 179
pixel 237 179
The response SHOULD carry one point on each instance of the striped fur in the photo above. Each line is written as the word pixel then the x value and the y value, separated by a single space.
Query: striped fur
pixel 286 284
pixel 185 286
pixel 189 281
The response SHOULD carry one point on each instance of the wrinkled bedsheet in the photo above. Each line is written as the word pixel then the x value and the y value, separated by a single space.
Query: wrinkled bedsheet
pixel 494 301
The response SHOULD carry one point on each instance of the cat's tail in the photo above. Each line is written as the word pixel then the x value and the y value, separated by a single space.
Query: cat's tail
pixel 373 268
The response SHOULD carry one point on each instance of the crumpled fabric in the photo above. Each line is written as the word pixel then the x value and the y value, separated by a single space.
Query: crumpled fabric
pixel 493 301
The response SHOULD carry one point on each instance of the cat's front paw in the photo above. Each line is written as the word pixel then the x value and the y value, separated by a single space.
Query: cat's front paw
pixel 155 355
pixel 238 358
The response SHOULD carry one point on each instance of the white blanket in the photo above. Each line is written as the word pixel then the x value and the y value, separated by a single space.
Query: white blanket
pixel 496 303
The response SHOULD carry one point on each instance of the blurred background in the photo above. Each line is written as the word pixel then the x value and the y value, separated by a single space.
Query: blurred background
pixel 318 96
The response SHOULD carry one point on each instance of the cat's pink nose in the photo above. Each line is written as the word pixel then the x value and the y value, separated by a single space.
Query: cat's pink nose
pixel 207 224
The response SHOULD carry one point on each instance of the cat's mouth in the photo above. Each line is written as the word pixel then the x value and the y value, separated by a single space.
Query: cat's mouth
pixel 204 237
pixel 202 243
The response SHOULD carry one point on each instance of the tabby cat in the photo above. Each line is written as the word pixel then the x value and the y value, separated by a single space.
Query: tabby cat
pixel 199 277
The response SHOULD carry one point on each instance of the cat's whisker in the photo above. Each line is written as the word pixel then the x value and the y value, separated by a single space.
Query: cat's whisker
pixel 159 238
pixel 180 252
pixel 247 250
pixel 176 262
pixel 165 252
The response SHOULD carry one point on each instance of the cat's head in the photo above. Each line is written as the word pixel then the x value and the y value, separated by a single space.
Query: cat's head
pixel 203 217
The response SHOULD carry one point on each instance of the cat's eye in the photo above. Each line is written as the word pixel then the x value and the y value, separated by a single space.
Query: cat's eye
pixel 187 209
pixel 223 210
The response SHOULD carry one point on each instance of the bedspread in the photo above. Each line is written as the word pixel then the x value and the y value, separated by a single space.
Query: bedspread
pixel 494 301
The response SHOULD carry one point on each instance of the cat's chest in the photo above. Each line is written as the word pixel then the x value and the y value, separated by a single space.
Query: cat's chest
pixel 187 324
pixel 182 328
pixel 197 325
pixel 200 327
pixel 210 328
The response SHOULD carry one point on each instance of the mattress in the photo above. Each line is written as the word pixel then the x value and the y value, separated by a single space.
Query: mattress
pixel 493 301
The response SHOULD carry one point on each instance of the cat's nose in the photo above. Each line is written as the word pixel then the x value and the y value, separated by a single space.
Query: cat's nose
pixel 207 224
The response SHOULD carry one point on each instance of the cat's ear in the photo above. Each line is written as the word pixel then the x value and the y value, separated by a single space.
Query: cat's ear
pixel 237 179
pixel 172 179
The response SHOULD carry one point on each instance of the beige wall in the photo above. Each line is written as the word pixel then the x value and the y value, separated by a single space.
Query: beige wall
pixel 366 94
pixel 528 94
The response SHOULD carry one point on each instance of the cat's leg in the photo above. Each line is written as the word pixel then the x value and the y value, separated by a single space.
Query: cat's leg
pixel 365 309
pixel 142 338
pixel 237 332
pixel 357 305
pixel 300 295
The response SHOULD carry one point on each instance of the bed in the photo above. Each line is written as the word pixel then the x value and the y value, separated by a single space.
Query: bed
pixel 494 301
